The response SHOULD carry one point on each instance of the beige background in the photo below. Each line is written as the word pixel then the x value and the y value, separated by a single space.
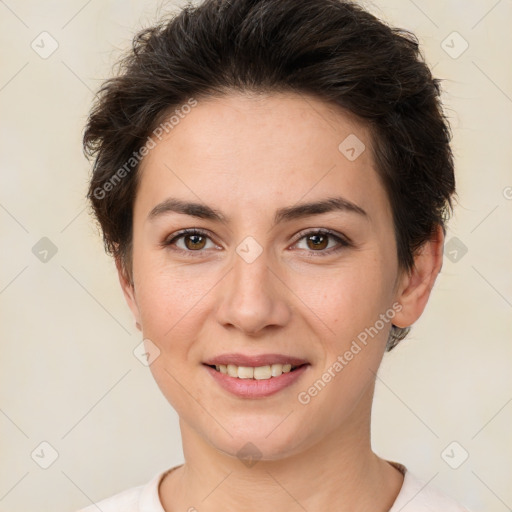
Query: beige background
pixel 68 375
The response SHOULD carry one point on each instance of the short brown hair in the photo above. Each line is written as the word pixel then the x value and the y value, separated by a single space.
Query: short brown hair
pixel 332 49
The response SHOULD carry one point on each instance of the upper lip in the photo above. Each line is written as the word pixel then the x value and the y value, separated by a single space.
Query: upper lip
pixel 257 360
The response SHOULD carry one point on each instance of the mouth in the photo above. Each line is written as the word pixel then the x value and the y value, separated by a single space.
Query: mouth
pixel 265 372
pixel 256 377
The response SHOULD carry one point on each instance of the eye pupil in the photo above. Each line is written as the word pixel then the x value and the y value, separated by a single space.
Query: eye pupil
pixel 316 244
pixel 194 243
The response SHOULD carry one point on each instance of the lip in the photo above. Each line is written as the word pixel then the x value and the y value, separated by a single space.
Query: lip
pixel 252 388
pixel 257 360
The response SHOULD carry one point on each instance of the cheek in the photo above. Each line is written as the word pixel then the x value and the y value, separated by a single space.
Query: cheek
pixel 173 310
pixel 347 299
pixel 349 304
pixel 169 296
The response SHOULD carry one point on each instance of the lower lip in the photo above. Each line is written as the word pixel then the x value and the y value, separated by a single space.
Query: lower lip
pixel 253 388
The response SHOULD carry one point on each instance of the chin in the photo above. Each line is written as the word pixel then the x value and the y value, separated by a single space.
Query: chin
pixel 265 441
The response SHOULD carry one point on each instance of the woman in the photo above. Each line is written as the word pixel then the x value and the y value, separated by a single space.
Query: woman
pixel 273 180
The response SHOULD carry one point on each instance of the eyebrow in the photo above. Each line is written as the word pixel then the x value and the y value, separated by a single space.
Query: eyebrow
pixel 299 211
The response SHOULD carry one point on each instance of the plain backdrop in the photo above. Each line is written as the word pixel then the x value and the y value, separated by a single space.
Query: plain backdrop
pixel 68 375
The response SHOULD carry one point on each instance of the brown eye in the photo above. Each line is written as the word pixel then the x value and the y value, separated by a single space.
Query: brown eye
pixel 196 242
pixel 190 241
pixel 318 241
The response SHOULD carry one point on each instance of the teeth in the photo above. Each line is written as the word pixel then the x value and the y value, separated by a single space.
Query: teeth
pixel 262 372
pixel 250 372
pixel 245 372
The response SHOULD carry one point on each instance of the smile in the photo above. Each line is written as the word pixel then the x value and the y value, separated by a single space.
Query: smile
pixel 256 381
pixel 257 373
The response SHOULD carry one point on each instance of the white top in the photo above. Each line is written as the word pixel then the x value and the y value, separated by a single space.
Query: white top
pixel 415 496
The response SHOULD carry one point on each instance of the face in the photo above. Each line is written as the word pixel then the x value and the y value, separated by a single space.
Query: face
pixel 260 275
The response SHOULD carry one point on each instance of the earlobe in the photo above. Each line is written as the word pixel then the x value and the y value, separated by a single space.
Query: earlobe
pixel 128 288
pixel 417 284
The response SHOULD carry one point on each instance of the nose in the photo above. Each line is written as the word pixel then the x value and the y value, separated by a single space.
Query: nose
pixel 253 298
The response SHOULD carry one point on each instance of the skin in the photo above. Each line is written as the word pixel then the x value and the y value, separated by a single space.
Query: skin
pixel 247 156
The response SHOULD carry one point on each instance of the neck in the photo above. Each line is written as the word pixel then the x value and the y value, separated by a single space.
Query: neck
pixel 338 473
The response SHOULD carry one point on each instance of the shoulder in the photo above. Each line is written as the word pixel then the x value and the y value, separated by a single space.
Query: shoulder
pixel 125 501
pixel 143 498
pixel 419 496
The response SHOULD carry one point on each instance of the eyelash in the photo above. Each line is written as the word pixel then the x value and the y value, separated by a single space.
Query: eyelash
pixel 343 242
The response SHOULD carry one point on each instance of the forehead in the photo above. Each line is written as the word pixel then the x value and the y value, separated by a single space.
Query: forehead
pixel 239 121
pixel 259 149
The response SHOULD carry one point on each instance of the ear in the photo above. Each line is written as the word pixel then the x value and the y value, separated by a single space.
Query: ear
pixel 129 292
pixel 415 286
